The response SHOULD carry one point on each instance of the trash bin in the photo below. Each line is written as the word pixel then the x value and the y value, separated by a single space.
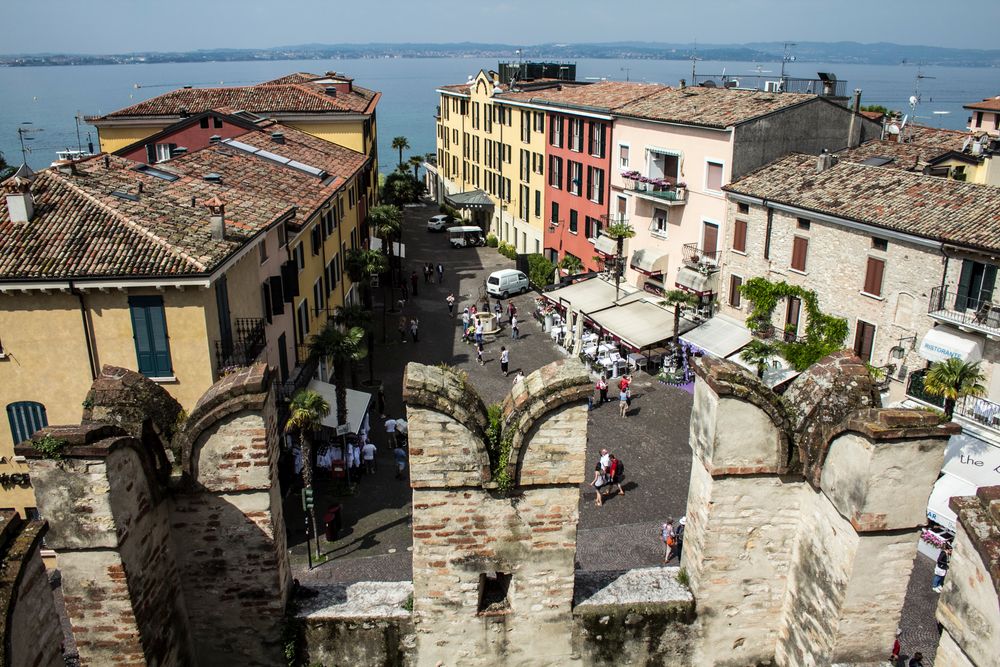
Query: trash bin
pixel 333 522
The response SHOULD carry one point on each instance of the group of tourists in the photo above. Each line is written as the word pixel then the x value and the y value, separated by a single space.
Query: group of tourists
pixel 673 539
pixel 624 393
pixel 608 475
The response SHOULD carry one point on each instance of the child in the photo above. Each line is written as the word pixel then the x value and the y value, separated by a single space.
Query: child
pixel 504 360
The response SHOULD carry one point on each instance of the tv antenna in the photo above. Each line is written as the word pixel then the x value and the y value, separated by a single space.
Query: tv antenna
pixel 626 70
pixel 21 134
pixel 760 70
pixel 787 57
pixel 694 62
pixel 916 84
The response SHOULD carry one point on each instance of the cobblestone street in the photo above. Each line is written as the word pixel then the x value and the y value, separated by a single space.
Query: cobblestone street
pixel 651 440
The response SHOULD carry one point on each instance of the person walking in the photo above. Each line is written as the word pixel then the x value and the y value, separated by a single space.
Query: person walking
pixel 402 329
pixel 514 332
pixel 451 304
pixel 414 281
pixel 504 360
pixel 511 311
pixel 616 470
pixel 667 537
pixel 941 568
pixel 390 431
pixel 368 454
pixel 414 329
pixel 400 455
pixel 479 331
pixel 897 648
pixel 679 539
pixel 428 272
pixel 602 389
pixel 479 351
pixel 465 319
pixel 623 398
pixel 917 660
pixel 440 273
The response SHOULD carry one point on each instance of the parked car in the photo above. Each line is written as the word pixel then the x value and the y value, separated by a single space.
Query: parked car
pixel 506 282
pixel 466 237
pixel 438 223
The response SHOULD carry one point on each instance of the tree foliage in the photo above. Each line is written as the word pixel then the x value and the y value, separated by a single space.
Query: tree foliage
pixel 401 187
pixel 540 270
pixel 401 144
pixel 306 413
pixel 953 379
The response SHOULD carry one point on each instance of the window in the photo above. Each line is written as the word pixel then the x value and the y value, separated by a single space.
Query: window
pixel 975 285
pixel 803 224
pixel 526 126
pixel 316 238
pixel 525 165
pixel 555 131
pixel 573 226
pixel 864 339
pixel 303 320
pixel 740 235
pixel 575 177
pixel 524 201
pixel 743 209
pixel 623 156
pixel 26 417
pixel 163 151
pixel 800 249
pixel 539 162
pixel 880 244
pixel 735 297
pixel 979 119
pixel 595 180
pixel 592 227
pixel 709 239
pixel 262 251
pixel 539 121
pixel 300 256
pixel 713 176
pixel 597 139
pixel 658 226
pixel 792 311
pixel 475 115
pixel 493 587
pixel 217 123
pixel 149 330
pixel 873 276
pixel 538 203
pixel 506 189
pixel 318 296
pixel 576 134
pixel 555 212
pixel 555 172
pixel 204 123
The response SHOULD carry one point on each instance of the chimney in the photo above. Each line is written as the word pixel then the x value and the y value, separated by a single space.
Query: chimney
pixel 217 221
pixel 331 91
pixel 66 167
pixel 214 139
pixel 683 84
pixel 20 202
pixel 278 137
pixel 825 161
pixel 855 110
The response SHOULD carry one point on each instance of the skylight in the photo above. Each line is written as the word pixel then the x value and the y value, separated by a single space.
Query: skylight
pixel 156 173
pixel 274 157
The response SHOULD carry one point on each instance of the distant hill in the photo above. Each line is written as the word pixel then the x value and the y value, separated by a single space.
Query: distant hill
pixel 830 52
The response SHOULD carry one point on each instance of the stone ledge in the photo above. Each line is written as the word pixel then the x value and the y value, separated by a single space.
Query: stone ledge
pixel 21 541
pixel 128 399
pixel 360 601
pixel 446 391
pixel 642 588
pixel 979 515
pixel 882 424
pixel 83 441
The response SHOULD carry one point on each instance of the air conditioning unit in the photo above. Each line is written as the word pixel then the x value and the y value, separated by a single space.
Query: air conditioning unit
pixel 772 86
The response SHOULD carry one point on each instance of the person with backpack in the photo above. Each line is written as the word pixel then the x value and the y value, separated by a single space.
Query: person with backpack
pixel 667 537
pixel 616 471
pixel 675 551
pixel 600 481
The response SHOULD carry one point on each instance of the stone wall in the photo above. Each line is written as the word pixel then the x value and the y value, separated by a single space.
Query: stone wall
pixel 969 606
pixel 797 538
pixel 31 631
pixel 471 537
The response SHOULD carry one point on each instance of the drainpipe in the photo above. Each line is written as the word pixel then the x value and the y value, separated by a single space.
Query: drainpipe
pixel 87 330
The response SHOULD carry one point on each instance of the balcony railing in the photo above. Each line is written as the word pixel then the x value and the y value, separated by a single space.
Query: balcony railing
pixel 667 193
pixel 788 84
pixel 980 410
pixel 696 258
pixel 964 310
pixel 247 343
pixel 915 389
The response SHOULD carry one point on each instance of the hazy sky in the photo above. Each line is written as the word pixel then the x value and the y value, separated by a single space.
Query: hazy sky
pixel 114 26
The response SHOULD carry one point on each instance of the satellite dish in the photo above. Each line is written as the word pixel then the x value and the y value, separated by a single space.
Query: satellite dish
pixel 893 129
pixel 497 89
pixel 965 144
pixel 913 100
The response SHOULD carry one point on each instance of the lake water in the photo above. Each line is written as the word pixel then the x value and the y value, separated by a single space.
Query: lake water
pixel 49 97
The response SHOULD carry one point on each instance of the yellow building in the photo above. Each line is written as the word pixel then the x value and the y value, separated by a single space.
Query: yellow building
pixel 215 258
pixel 328 106
pixel 495 145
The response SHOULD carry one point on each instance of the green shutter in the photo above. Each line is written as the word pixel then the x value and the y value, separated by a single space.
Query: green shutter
pixel 964 282
pixel 149 329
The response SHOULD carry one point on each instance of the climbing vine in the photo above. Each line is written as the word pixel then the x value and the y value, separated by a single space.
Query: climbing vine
pixel 824 333
pixel 499 445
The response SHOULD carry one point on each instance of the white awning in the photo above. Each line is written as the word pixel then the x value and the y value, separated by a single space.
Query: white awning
pixel 639 324
pixel 649 261
pixel 943 342
pixel 719 336
pixel 592 294
pixel 777 372
pixel 973 460
pixel 357 405
pixel 606 245
pixel 945 488
pixel 696 281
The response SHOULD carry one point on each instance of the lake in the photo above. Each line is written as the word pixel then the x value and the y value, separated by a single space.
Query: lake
pixel 50 97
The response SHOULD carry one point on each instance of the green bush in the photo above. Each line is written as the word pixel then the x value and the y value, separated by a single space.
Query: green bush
pixel 507 250
pixel 492 241
pixel 540 270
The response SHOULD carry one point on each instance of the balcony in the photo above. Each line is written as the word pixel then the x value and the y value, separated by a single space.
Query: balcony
pixel 701 260
pixel 657 190
pixel 965 311
pixel 247 343
pixel 979 415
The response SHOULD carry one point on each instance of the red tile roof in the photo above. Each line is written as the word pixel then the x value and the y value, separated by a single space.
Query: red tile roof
pixel 989 104
pixel 933 137
pixel 82 229
pixel 710 107
pixel 604 95
pixel 936 208
pixel 909 157
pixel 295 93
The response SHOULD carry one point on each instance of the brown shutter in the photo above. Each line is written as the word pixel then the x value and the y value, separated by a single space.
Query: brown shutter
pixel 740 236
pixel 873 276
pixel 735 282
pixel 800 248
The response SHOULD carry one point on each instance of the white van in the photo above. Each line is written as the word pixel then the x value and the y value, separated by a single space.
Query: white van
pixel 466 237
pixel 506 282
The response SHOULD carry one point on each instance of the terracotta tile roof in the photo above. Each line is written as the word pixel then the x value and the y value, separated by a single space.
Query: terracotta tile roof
pixel 872 115
pixel 989 104
pixel 81 229
pixel 462 88
pixel 933 137
pixel 711 107
pixel 909 157
pixel 292 95
pixel 936 208
pixel 604 95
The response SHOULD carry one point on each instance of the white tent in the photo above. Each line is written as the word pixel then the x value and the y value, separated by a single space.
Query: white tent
pixel 720 336
pixel 357 405
pixel 639 324
pixel 592 295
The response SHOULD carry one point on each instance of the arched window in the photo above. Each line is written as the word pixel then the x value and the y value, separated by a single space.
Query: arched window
pixel 25 418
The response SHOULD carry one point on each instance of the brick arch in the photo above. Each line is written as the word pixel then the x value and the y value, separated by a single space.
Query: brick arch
pixel 20 542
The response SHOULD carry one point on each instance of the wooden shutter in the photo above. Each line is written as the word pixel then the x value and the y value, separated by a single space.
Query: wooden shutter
pixel 740 235
pixel 710 239
pixel 149 329
pixel 800 249
pixel 989 281
pixel 863 340
pixel 277 295
pixel 964 284
pixel 873 276
pixel 290 279
pixel 151 153
pixel 265 299
pixel 26 417
pixel 735 283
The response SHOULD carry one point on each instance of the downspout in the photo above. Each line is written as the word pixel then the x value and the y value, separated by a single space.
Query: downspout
pixel 87 330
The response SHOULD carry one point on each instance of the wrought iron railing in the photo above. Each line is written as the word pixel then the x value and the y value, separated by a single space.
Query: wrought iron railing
pixel 980 410
pixel 788 84
pixel 247 343
pixel 915 389
pixel 696 258
pixel 963 308
pixel 664 192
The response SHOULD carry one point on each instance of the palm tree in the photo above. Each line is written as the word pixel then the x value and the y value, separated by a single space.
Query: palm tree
pixel 678 299
pixel 358 317
pixel 758 353
pixel 415 162
pixel 401 144
pixel 571 264
pixel 341 348
pixel 361 264
pixel 386 222
pixel 307 411
pixel 953 379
